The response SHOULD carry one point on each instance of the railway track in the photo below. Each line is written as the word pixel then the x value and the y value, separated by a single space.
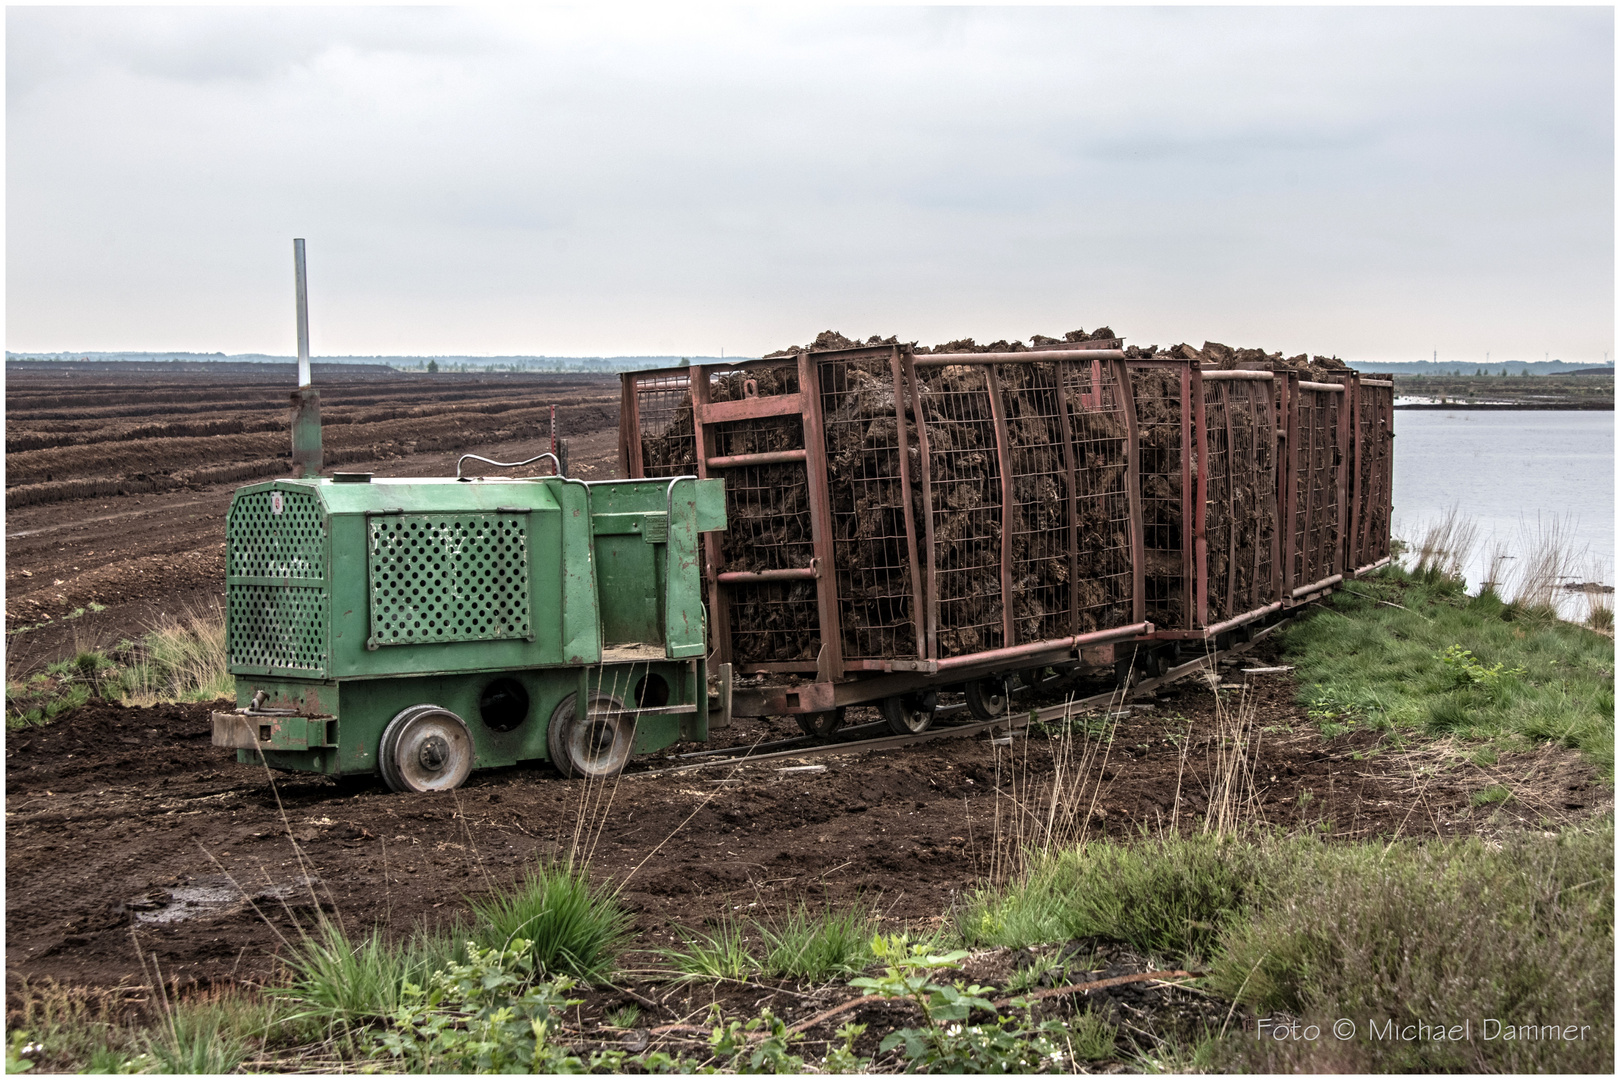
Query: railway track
pixel 806 747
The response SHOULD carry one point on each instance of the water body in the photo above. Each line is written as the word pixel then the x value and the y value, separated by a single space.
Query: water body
pixel 1504 469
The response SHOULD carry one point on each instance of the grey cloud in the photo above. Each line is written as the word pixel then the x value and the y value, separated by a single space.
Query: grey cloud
pixel 539 178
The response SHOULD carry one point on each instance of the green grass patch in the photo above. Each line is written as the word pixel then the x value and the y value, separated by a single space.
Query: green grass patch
pixel 1436 932
pixel 1168 897
pixel 720 953
pixel 573 927
pixel 1414 651
pixel 807 945
pixel 183 660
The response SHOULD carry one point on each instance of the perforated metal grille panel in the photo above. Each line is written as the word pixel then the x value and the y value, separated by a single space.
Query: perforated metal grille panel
pixel 448 577
pixel 275 588
pixel 277 626
pixel 278 534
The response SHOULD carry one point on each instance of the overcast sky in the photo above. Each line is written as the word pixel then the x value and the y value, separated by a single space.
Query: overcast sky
pixel 1377 183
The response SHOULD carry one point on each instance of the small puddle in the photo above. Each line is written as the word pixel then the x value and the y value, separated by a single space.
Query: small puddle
pixel 202 896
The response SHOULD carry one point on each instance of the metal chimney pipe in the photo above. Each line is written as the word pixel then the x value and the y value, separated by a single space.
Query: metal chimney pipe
pixel 301 287
pixel 306 400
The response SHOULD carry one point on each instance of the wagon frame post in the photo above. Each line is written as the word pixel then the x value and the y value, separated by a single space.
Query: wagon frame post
pixel 917 618
pixel 1342 481
pixel 1133 491
pixel 1289 392
pixel 713 555
pixel 998 415
pixel 931 589
pixel 1060 371
pixel 830 660
pixel 1201 506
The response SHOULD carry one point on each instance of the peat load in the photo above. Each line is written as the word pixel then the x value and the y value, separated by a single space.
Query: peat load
pixel 927 576
pixel 893 506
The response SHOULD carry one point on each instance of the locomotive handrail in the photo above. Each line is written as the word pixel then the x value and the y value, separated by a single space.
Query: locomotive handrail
pixel 508 464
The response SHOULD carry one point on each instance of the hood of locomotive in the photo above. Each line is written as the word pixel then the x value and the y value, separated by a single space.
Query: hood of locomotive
pixel 334 579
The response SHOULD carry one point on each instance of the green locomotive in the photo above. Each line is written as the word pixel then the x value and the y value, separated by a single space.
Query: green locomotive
pixel 422 628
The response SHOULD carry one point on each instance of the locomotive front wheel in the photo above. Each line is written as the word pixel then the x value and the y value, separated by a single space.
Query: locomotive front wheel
pixel 986 698
pixel 821 725
pixel 425 748
pixel 907 714
pixel 594 746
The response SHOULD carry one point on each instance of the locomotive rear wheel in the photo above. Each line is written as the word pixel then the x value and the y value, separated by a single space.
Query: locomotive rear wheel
pixel 908 714
pixel 986 698
pixel 425 748
pixel 821 725
pixel 594 746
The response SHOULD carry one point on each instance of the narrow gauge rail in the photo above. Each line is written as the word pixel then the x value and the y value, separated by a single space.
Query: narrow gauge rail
pixel 854 740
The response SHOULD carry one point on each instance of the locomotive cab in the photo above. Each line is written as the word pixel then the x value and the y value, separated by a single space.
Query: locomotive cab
pixel 422 628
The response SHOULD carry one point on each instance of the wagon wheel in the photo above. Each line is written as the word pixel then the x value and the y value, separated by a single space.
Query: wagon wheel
pixel 821 725
pixel 425 748
pixel 907 714
pixel 594 746
pixel 986 698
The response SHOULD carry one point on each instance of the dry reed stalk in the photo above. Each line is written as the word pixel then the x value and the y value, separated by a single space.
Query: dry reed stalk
pixel 1446 544
pixel 1548 560
pixel 1233 801
pixel 1496 574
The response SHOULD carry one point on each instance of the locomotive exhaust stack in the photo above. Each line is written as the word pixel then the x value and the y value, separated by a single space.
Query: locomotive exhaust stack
pixel 306 400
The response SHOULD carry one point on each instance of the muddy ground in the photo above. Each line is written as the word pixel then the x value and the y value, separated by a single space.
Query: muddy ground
pixel 126 824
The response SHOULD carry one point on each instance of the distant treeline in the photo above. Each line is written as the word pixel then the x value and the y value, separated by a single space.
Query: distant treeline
pixel 1511 367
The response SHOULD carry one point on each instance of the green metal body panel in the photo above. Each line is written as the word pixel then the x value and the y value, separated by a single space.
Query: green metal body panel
pixel 351 601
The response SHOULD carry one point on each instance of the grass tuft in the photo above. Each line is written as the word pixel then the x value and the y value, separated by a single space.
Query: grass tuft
pixel 337 979
pixel 807 946
pixel 721 954
pixel 1168 896
pixel 574 927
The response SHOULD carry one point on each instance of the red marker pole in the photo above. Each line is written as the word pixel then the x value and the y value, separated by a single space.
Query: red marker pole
pixel 554 432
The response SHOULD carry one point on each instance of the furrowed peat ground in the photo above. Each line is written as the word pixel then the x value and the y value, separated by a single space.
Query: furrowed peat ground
pixel 126 828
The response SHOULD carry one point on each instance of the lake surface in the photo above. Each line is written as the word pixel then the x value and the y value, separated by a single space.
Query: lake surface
pixel 1504 469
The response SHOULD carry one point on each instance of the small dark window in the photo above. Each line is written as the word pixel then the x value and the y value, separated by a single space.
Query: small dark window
pixel 504 704
pixel 652 692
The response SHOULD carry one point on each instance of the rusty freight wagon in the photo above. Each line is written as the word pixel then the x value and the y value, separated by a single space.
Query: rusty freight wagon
pixel 1260 486
pixel 902 523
